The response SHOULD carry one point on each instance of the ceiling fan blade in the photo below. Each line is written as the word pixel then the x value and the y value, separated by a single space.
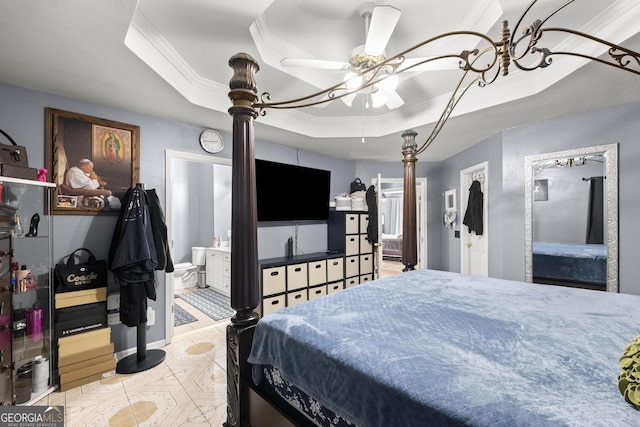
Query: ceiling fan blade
pixel 393 100
pixel 314 63
pixel 383 22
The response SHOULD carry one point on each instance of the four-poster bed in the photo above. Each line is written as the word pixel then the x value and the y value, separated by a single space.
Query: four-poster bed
pixel 490 330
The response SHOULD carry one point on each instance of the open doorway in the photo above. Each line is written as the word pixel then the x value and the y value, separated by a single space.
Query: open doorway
pixel 390 216
pixel 198 211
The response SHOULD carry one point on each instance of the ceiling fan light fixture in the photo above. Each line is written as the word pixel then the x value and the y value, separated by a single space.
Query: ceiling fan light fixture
pixel 388 83
pixel 352 80
pixel 378 98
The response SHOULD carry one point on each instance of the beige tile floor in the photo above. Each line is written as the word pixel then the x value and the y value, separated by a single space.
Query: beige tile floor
pixel 187 389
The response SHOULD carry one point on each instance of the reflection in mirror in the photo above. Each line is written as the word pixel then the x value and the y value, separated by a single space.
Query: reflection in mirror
pixel 571 218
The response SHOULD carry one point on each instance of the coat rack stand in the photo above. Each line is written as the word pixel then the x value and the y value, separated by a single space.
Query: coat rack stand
pixel 143 359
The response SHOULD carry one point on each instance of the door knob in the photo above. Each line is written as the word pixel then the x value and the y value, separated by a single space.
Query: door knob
pixel 469 244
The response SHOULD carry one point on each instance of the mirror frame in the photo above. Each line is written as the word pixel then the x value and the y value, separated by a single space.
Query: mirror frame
pixel 610 153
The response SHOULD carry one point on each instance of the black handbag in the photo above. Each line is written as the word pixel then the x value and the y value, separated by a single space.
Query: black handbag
pixel 71 276
pixel 358 185
pixel 14 154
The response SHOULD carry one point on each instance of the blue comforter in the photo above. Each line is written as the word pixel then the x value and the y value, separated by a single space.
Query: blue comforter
pixel 437 348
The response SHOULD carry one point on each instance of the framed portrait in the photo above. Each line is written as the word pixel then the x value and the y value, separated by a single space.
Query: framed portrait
pixel 92 161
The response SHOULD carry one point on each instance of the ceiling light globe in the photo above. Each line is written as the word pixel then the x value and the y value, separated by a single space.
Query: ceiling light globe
pixel 388 84
pixel 352 80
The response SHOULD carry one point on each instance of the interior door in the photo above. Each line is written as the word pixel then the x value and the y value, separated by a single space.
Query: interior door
pixel 474 247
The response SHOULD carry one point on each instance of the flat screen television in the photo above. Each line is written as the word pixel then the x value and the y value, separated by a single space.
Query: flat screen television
pixel 291 193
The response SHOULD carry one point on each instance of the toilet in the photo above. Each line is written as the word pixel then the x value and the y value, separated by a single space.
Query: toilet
pixel 185 275
pixel 190 274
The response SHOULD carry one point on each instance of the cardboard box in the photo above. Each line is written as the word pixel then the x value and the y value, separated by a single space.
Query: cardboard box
pixel 83 342
pixel 72 358
pixel 86 380
pixel 88 371
pixel 93 361
pixel 87 296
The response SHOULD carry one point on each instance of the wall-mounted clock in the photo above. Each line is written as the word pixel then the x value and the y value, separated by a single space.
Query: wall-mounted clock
pixel 211 141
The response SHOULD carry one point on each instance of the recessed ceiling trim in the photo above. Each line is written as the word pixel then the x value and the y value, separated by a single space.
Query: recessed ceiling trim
pixel 144 40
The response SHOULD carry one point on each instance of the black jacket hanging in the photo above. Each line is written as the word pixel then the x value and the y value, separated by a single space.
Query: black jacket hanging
pixel 138 248
pixel 473 217
pixel 372 226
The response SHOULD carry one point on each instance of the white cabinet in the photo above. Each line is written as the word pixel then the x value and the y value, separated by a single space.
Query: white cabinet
pixel 218 269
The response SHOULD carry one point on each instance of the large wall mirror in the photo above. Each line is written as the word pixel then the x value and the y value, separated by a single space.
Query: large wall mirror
pixel 571 218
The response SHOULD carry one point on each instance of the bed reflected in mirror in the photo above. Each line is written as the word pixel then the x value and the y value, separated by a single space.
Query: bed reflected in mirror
pixel 571 227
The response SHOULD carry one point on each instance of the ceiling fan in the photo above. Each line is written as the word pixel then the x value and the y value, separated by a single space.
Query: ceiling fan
pixel 380 21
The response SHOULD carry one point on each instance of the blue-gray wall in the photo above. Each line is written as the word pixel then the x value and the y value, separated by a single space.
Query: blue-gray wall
pixel 22 116
pixel 505 153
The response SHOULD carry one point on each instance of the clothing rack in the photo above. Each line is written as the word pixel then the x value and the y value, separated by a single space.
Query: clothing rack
pixel 143 359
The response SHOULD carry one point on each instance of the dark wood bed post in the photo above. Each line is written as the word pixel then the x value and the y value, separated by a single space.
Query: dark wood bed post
pixel 409 230
pixel 245 291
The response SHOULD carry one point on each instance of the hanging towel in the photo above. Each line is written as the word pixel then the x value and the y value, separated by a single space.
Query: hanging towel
pixel 595 214
pixel 473 217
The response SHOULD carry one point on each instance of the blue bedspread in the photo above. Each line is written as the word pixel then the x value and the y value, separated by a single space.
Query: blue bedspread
pixel 437 348
pixel 570 262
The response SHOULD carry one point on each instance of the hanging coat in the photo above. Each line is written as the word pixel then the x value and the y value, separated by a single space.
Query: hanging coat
pixel 159 228
pixel 372 226
pixel 133 257
pixel 473 217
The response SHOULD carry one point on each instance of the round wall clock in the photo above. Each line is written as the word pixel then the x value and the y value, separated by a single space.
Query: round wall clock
pixel 211 141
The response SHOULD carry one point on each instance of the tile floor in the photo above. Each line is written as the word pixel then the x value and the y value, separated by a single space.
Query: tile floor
pixel 187 389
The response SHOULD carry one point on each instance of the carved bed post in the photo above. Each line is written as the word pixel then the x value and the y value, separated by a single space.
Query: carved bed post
pixel 409 230
pixel 245 292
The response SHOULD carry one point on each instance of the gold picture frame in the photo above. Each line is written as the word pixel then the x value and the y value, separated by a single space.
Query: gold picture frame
pixel 92 160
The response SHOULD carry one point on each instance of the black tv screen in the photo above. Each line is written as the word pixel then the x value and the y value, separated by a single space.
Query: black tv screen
pixel 291 193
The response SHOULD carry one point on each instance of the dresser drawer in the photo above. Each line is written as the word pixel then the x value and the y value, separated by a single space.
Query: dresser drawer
pixel 317 292
pixel 335 287
pixel 335 269
pixel 364 222
pixel 352 244
pixel 352 281
pixel 271 304
pixel 274 280
pixel 366 278
pixel 366 264
pixel 296 276
pixel 317 272
pixel 365 246
pixel 297 297
pixel 352 268
pixel 352 223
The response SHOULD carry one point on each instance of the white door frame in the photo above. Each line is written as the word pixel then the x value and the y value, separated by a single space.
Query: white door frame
pixel 480 265
pixel 421 217
pixel 171 155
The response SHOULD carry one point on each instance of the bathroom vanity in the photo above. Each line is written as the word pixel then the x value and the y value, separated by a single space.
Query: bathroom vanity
pixel 218 269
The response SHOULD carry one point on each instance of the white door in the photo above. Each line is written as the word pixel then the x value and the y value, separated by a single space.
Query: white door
pixel 474 248
pixel 389 191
